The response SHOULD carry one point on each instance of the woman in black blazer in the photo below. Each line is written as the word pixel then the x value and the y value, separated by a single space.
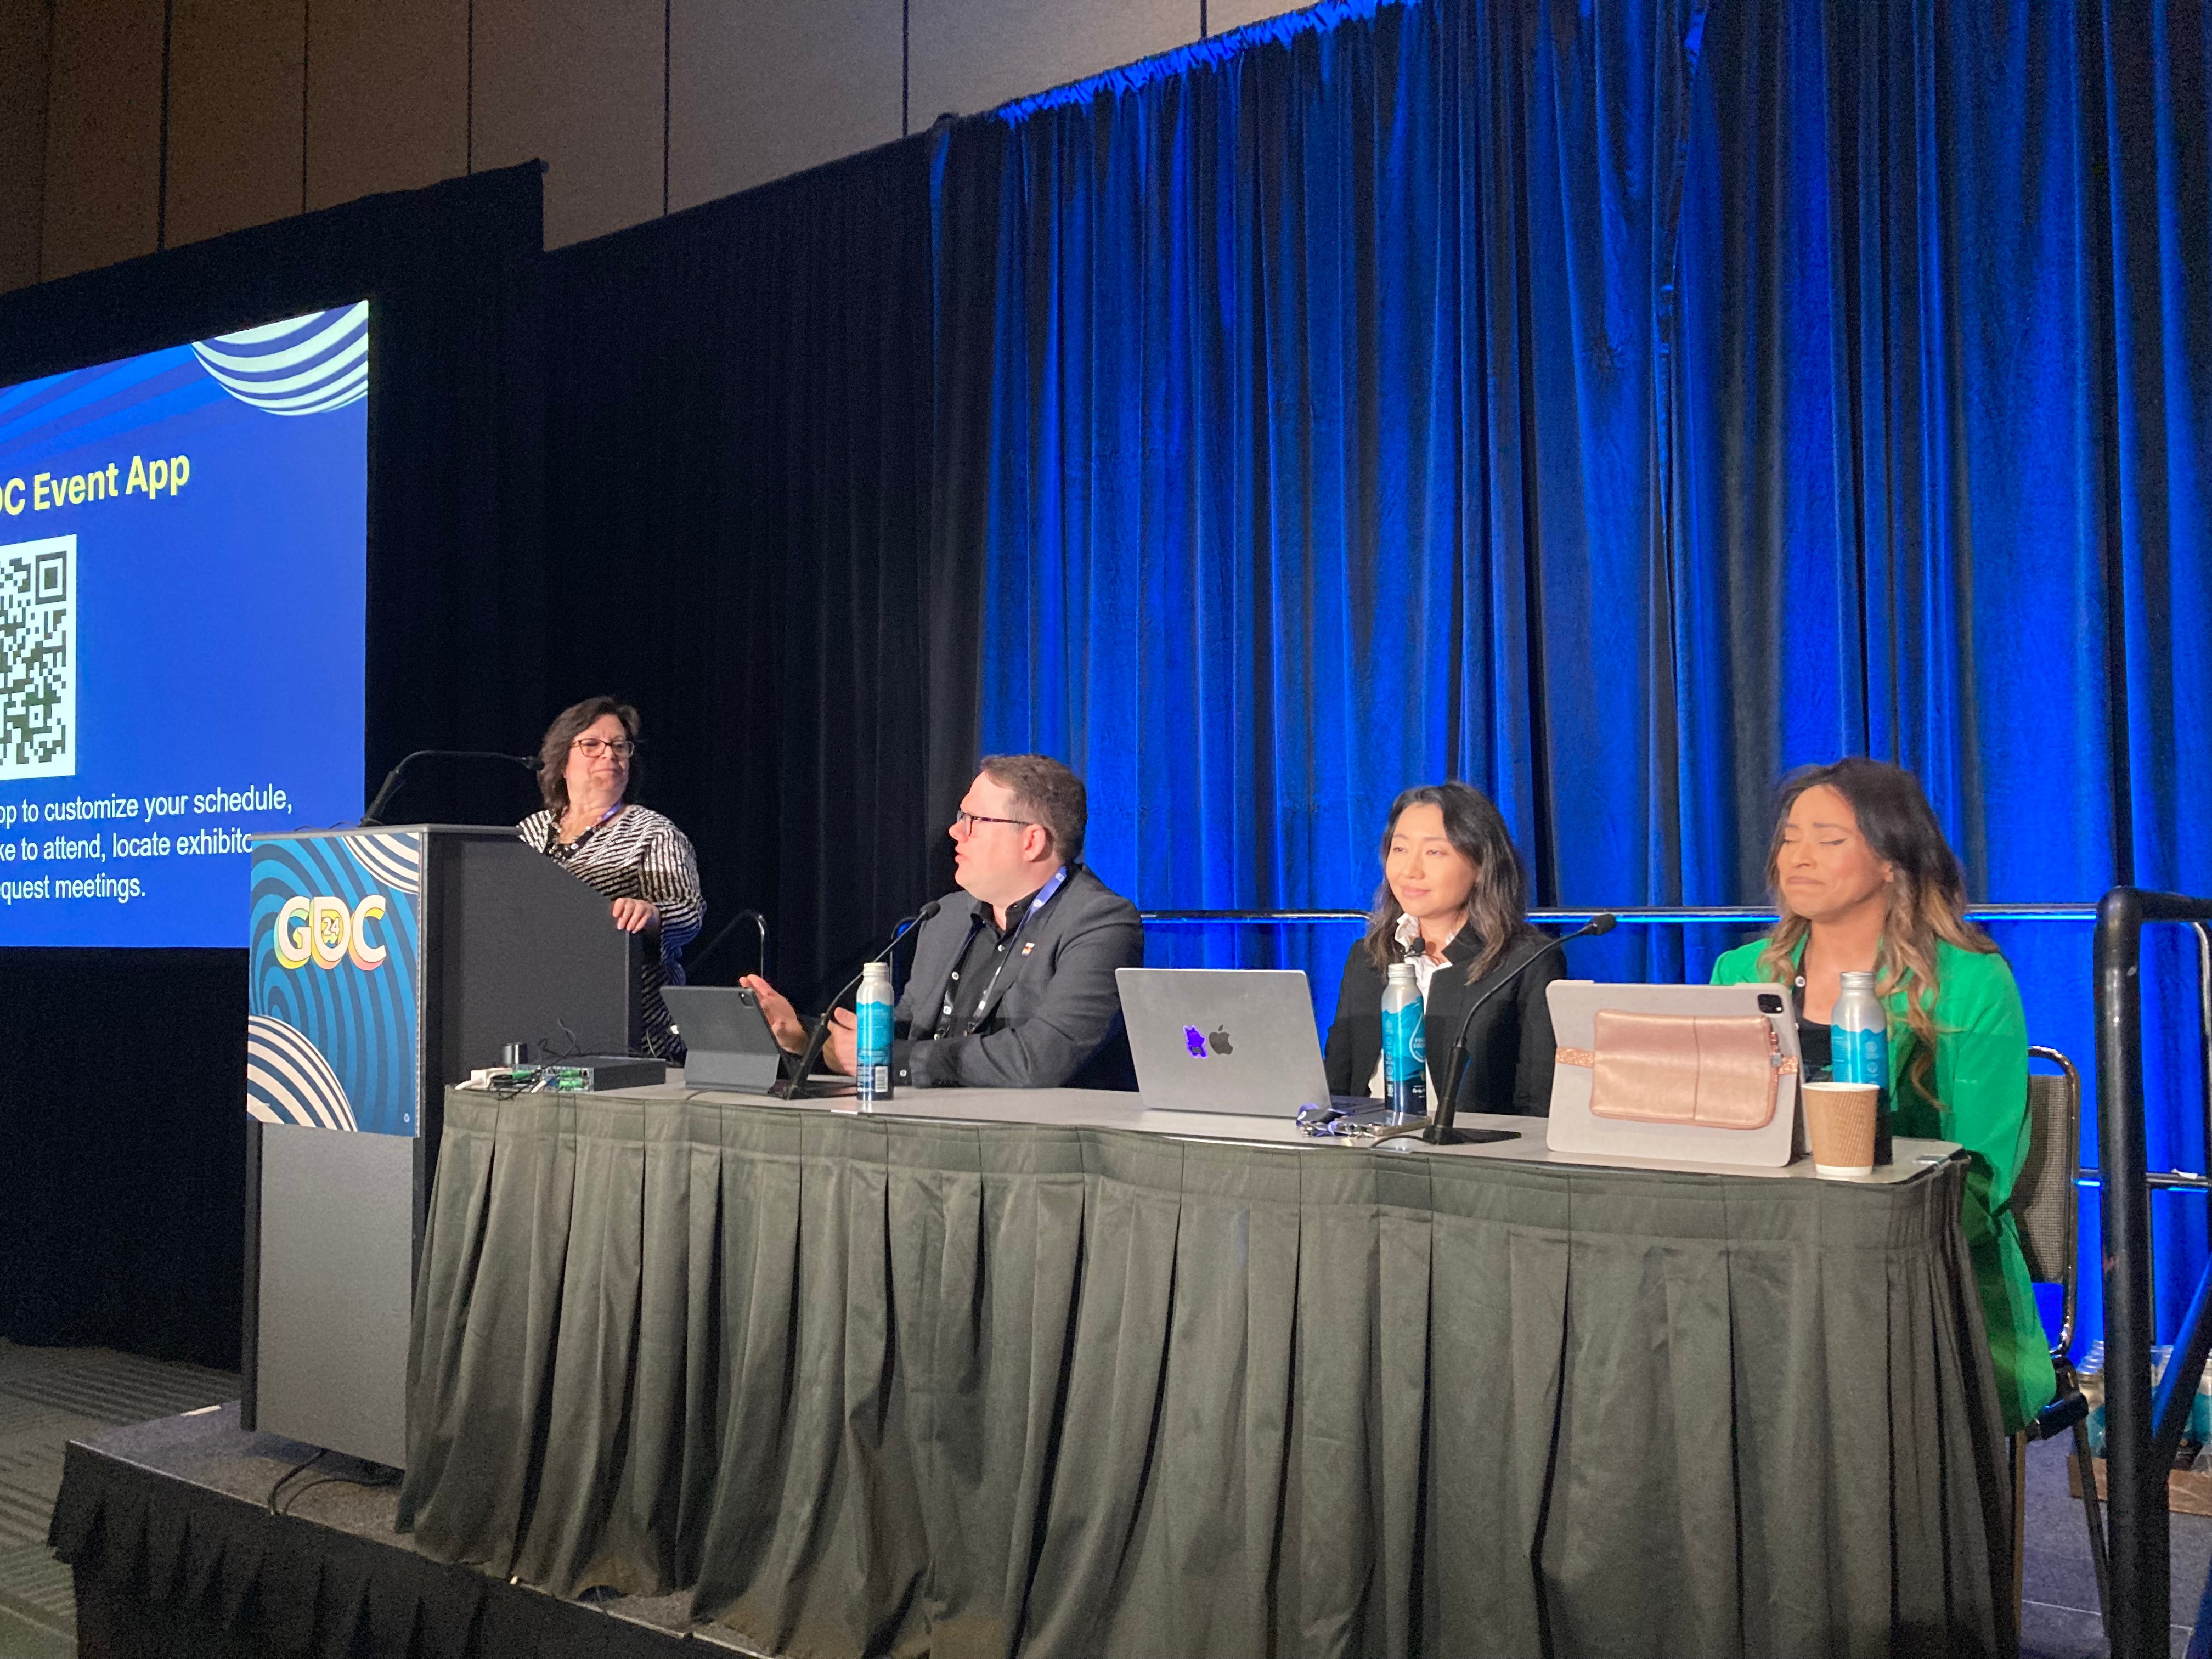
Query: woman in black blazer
pixel 1453 902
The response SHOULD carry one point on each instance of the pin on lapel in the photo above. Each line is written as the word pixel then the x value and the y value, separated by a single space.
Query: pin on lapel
pixel 1029 947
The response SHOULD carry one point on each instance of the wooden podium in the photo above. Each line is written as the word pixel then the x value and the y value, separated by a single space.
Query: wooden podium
pixel 386 963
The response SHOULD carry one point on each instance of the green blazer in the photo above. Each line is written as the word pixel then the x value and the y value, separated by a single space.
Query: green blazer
pixel 1981 1087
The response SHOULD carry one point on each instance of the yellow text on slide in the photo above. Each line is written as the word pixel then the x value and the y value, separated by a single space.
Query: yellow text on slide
pixel 42 492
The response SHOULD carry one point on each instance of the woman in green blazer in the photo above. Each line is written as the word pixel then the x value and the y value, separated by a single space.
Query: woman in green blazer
pixel 1864 879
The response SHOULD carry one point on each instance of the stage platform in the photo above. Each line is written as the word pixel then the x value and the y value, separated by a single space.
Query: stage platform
pixel 178 1554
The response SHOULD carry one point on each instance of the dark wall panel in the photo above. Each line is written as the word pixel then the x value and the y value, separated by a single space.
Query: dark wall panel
pixel 25 28
pixel 237 74
pixel 388 96
pixel 103 194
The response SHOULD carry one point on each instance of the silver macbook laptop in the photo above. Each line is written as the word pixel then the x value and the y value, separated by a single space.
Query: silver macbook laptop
pixel 1238 1040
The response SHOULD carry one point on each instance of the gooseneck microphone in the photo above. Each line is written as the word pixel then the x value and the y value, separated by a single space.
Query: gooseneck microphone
pixel 820 1034
pixel 391 786
pixel 1440 1132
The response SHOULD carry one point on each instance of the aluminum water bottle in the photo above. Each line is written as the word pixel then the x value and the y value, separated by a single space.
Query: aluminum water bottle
pixel 1860 1028
pixel 1405 1047
pixel 872 1019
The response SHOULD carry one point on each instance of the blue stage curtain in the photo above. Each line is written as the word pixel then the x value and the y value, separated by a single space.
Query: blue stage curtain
pixel 1312 395
pixel 1614 406
pixel 1941 393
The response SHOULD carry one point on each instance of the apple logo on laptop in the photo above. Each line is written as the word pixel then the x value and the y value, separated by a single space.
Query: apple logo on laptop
pixel 1195 1041
pixel 1220 1041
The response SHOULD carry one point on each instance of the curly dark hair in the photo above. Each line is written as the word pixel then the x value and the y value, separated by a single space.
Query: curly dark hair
pixel 569 724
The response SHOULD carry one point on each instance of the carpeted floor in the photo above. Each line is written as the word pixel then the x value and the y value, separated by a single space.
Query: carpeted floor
pixel 50 1396
pixel 2058 1613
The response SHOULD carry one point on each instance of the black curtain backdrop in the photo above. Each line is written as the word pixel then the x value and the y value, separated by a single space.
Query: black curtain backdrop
pixel 687 464
pixel 1384 391
pixel 737 489
pixel 122 1072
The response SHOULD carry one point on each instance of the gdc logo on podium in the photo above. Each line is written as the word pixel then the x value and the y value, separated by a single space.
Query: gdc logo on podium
pixel 324 931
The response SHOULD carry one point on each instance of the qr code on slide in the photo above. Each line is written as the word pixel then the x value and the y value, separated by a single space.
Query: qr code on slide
pixel 38 659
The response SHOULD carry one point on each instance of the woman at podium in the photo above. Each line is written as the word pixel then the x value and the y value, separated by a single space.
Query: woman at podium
pixel 636 858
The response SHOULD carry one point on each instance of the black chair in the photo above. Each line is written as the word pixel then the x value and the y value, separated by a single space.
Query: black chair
pixel 2046 1209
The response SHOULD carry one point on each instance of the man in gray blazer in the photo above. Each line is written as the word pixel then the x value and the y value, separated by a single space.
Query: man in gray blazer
pixel 1013 985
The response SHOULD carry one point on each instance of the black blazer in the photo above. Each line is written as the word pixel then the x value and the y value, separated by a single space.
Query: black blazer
pixel 1055 1019
pixel 1509 1048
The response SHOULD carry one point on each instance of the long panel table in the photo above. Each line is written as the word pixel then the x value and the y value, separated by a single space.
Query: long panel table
pixel 1049 1374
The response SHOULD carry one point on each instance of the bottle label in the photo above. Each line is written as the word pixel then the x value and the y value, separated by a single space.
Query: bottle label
pixel 1405 1043
pixel 1861 1056
pixel 872 1034
pixel 1405 1059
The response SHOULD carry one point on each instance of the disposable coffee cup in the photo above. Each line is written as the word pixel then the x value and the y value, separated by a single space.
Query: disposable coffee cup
pixel 1839 1122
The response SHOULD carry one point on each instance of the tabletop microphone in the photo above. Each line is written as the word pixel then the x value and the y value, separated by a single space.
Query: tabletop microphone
pixel 820 1034
pixel 1441 1133
pixel 391 786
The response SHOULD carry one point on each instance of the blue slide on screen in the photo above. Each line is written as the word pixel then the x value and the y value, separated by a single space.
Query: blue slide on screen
pixel 183 597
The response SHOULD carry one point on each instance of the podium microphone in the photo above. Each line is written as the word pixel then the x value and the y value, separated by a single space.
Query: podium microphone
pixel 1441 1133
pixel 820 1034
pixel 760 925
pixel 391 786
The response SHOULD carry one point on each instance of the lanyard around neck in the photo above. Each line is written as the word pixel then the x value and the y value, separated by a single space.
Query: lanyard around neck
pixel 553 842
pixel 1045 896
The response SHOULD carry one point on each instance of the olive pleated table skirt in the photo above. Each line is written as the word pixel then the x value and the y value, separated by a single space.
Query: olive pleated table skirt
pixel 882 1384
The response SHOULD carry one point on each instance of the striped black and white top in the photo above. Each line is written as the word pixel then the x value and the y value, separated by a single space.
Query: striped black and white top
pixel 637 854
